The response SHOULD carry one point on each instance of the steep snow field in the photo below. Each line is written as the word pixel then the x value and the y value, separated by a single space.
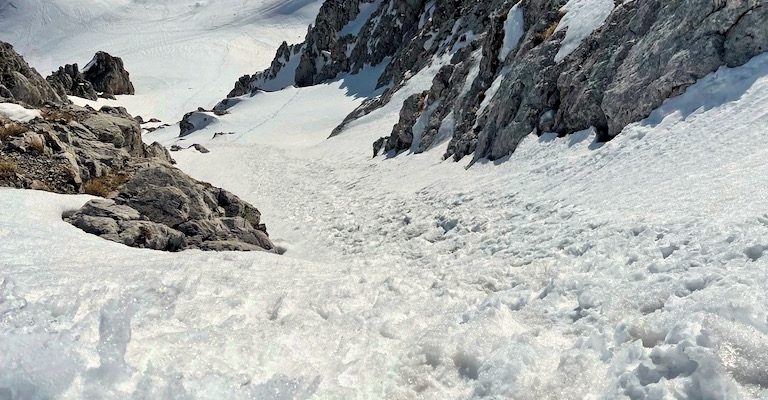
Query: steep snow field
pixel 203 45
pixel 573 270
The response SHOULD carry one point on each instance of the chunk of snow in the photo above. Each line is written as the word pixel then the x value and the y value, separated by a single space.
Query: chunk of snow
pixel 513 31
pixel 17 113
pixel 582 17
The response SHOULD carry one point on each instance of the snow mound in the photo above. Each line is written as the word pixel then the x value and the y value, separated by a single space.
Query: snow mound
pixel 635 268
pixel 17 113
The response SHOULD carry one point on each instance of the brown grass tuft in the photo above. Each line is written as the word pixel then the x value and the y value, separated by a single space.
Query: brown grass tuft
pixel 8 168
pixel 547 33
pixel 52 114
pixel 10 130
pixel 550 30
pixel 39 147
pixel 103 186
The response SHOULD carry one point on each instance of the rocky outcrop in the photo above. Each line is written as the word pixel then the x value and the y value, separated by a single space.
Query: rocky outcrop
pixel 69 81
pixel 159 207
pixel 194 121
pixel 146 202
pixel 347 36
pixel 507 70
pixel 125 225
pixel 19 81
pixel 107 74
pixel 104 76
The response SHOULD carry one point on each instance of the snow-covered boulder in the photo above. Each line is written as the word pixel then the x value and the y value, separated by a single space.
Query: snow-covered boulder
pixel 194 121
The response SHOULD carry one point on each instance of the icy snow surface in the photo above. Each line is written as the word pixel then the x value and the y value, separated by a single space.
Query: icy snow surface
pixel 582 17
pixel 17 113
pixel 573 270
pixel 514 28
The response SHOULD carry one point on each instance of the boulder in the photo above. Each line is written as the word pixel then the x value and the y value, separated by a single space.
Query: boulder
pixel 158 151
pixel 200 148
pixel 107 74
pixel 125 225
pixel 194 121
pixel 200 211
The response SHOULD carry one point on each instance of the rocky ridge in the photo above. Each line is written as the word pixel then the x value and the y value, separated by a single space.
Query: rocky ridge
pixel 69 81
pixel 21 82
pixel 145 201
pixel 104 76
pixel 512 68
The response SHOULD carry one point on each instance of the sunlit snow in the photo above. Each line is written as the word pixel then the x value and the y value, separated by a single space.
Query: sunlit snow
pixel 572 270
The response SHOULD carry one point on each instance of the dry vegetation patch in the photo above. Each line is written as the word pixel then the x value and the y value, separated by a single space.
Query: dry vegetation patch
pixel 103 186
pixel 11 129
pixel 8 168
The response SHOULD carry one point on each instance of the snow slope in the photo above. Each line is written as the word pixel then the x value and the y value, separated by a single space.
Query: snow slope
pixel 203 46
pixel 573 270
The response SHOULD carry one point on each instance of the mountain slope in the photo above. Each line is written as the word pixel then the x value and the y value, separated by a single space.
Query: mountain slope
pixel 566 272
pixel 574 269
pixel 178 52
pixel 513 68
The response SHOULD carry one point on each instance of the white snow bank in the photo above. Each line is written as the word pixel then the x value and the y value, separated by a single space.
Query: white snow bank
pixel 514 27
pixel 574 267
pixel 582 17
pixel 17 113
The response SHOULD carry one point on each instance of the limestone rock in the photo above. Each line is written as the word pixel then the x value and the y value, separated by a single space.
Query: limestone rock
pixel 68 80
pixel 489 97
pixel 125 225
pixel 107 74
pixel 151 204
pixel 21 82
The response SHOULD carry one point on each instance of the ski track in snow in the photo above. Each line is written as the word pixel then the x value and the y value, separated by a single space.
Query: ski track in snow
pixel 573 270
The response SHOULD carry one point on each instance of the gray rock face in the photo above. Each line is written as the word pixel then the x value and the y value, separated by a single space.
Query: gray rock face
pixel 483 101
pixel 70 147
pixel 125 225
pixel 107 74
pixel 402 133
pixel 650 51
pixel 68 80
pixel 333 46
pixel 21 82
pixel 203 213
